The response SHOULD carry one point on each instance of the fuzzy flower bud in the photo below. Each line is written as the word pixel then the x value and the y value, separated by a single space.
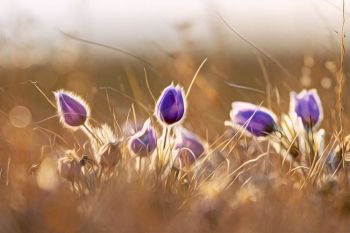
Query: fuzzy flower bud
pixel 256 120
pixel 170 108
pixel 144 142
pixel 188 146
pixel 307 106
pixel 71 108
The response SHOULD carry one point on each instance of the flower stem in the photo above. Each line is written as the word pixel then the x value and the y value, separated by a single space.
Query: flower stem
pixel 166 131
pixel 87 129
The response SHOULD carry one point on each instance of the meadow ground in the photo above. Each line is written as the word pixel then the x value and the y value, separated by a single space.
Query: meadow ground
pixel 240 183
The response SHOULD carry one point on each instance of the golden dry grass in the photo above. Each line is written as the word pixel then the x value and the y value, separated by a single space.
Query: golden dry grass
pixel 242 186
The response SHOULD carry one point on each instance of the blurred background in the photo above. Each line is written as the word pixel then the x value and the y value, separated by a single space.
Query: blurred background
pixel 257 51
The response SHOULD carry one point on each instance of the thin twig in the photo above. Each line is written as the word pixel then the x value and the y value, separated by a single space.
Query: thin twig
pixel 195 76
pixel 340 88
pixel 266 54
pixel 107 47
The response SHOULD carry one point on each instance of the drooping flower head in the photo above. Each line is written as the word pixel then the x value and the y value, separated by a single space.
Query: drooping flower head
pixel 72 109
pixel 110 154
pixel 144 142
pixel 171 105
pixel 307 106
pixel 69 166
pixel 188 147
pixel 256 120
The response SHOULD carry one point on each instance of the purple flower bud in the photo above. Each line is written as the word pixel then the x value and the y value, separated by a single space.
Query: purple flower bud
pixel 72 109
pixel 170 107
pixel 256 120
pixel 307 106
pixel 144 142
pixel 188 146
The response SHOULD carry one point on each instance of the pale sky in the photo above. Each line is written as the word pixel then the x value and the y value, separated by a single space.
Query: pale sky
pixel 137 24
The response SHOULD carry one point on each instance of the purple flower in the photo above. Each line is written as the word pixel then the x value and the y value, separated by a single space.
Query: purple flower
pixel 144 142
pixel 256 120
pixel 307 106
pixel 170 107
pixel 72 109
pixel 188 147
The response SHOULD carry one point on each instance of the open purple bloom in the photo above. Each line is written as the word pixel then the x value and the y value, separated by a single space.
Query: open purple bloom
pixel 144 142
pixel 170 107
pixel 72 109
pixel 256 120
pixel 188 147
pixel 307 106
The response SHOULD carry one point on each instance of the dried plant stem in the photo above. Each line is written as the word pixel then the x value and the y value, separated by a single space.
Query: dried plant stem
pixel 144 107
pixel 88 130
pixel 261 51
pixel 34 83
pixel 267 80
pixel 8 171
pixel 340 79
pixel 195 76
pixel 165 136
pixel 148 87
pixel 140 59
pixel 140 165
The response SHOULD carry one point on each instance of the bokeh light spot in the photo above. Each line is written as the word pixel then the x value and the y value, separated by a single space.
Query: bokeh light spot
pixel 47 174
pixel 326 82
pixel 20 116
pixel 305 80
pixel 309 61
